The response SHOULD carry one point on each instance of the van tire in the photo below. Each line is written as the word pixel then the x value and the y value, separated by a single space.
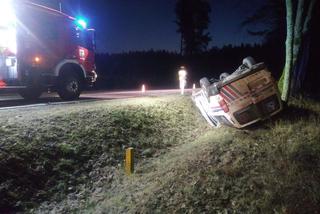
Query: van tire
pixel 205 84
pixel 69 87
pixel 223 76
pixel 249 62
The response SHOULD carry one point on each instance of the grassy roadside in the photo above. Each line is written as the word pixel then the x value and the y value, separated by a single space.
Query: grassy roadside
pixel 271 168
pixel 183 165
pixel 50 153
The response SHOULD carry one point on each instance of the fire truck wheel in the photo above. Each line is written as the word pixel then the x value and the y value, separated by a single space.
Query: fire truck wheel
pixel 30 93
pixel 69 87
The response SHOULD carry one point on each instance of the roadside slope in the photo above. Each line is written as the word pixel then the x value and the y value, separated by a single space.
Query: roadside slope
pixel 53 152
pixel 272 167
pixel 69 159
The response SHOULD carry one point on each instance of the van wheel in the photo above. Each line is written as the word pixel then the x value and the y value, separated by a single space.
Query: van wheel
pixel 223 76
pixel 30 93
pixel 69 87
pixel 249 62
pixel 205 84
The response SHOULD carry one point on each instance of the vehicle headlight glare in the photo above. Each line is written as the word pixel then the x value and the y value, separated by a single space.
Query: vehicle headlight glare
pixel 7 26
pixel 7 15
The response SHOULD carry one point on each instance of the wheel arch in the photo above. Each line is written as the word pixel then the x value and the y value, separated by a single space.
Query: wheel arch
pixel 65 65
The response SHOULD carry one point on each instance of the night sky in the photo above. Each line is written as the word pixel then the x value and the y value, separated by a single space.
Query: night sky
pixel 130 25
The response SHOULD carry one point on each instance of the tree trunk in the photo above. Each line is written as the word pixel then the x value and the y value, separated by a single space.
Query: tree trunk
pixel 289 41
pixel 297 40
pixel 301 45
pixel 300 68
pixel 297 31
pixel 306 25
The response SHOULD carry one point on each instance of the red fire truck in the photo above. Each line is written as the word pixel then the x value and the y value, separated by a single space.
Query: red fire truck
pixel 42 48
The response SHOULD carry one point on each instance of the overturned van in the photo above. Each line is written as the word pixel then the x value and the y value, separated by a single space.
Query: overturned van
pixel 246 96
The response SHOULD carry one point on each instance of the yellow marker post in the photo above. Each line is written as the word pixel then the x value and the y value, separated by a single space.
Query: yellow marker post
pixel 129 161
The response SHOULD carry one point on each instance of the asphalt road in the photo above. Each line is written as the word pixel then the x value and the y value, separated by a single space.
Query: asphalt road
pixel 15 101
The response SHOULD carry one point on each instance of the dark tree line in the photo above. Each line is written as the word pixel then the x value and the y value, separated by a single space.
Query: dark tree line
pixel 158 69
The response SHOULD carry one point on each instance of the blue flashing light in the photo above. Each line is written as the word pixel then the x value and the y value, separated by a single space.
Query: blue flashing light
pixel 82 23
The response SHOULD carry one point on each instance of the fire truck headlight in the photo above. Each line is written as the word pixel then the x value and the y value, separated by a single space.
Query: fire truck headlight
pixel 7 26
pixel 7 16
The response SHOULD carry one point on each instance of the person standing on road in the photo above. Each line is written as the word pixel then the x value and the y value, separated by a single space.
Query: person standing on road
pixel 182 79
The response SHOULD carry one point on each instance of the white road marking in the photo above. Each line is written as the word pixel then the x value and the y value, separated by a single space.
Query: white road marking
pixel 86 97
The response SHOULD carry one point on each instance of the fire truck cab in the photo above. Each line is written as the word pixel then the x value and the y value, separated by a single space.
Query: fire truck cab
pixel 42 48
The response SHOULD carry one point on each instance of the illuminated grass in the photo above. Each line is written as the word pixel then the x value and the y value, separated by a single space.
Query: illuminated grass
pixel 183 166
pixel 273 167
pixel 49 152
